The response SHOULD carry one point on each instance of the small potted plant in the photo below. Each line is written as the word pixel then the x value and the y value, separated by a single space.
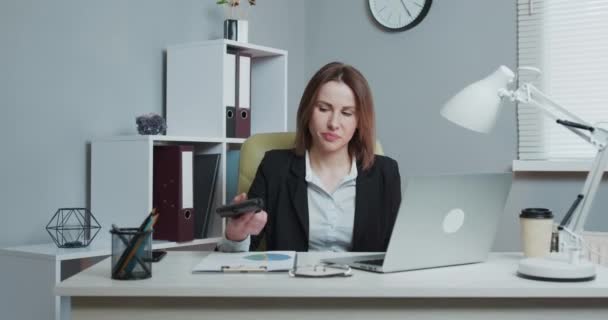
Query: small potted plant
pixel 236 26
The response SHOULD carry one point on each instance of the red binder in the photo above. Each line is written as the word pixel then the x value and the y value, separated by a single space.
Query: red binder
pixel 243 123
pixel 172 193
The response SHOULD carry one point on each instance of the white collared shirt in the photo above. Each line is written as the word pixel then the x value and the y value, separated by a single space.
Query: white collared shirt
pixel 331 215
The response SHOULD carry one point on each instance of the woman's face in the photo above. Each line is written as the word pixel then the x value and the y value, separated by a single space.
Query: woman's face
pixel 334 117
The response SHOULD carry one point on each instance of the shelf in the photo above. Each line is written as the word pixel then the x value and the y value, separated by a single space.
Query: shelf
pixel 235 140
pixel 155 138
pixel 551 166
pixel 256 51
pixel 170 245
pixel 50 251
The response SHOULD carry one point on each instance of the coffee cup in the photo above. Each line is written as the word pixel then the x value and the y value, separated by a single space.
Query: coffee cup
pixel 536 228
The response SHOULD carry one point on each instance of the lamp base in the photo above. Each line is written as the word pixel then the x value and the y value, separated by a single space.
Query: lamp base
pixel 556 267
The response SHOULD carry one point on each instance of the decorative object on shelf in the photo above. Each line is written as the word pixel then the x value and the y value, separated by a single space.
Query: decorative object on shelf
pixel 73 227
pixel 236 26
pixel 399 15
pixel 151 123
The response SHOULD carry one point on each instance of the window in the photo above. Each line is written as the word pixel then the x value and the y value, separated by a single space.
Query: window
pixel 568 41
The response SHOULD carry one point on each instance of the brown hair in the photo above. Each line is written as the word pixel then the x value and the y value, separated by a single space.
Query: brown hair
pixel 361 146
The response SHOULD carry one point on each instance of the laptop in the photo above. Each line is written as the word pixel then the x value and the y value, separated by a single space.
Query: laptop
pixel 443 220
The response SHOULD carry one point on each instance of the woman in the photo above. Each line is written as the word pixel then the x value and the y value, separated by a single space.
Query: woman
pixel 329 193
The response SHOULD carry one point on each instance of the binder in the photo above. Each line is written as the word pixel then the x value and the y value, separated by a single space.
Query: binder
pixel 243 123
pixel 244 81
pixel 230 79
pixel 243 96
pixel 206 170
pixel 230 82
pixel 230 121
pixel 173 192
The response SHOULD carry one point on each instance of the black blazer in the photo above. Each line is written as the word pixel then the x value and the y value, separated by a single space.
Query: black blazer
pixel 280 182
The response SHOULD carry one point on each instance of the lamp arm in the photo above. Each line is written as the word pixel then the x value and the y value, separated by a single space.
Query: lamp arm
pixel 528 93
pixel 568 215
pixel 576 130
pixel 594 177
pixel 533 91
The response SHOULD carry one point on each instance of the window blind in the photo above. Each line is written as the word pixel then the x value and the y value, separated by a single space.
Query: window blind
pixel 568 41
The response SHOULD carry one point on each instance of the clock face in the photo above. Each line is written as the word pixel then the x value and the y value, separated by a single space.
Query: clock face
pixel 399 15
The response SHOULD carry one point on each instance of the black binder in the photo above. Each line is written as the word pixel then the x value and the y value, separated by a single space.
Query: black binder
pixel 230 122
pixel 206 169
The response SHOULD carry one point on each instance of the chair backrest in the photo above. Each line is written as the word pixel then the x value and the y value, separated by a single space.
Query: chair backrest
pixel 254 148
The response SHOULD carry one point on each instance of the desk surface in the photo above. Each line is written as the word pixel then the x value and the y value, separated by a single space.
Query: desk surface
pixel 101 246
pixel 172 277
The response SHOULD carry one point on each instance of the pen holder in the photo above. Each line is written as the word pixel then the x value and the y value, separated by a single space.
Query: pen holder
pixel 131 254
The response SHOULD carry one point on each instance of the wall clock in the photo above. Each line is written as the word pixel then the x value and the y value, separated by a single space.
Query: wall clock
pixel 399 15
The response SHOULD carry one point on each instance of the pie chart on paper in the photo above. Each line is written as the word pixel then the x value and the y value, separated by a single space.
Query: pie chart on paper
pixel 267 257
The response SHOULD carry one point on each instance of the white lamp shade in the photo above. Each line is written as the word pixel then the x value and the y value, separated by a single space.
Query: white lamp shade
pixel 476 106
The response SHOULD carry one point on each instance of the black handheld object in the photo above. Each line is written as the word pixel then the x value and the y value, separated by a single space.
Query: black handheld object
pixel 237 209
pixel 158 255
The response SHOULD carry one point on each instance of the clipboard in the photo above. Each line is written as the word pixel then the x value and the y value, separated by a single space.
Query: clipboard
pixel 245 262
pixel 243 269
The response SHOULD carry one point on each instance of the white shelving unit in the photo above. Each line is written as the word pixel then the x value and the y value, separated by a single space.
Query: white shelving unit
pixel 122 166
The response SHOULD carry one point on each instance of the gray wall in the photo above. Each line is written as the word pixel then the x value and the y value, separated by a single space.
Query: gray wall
pixel 413 73
pixel 73 70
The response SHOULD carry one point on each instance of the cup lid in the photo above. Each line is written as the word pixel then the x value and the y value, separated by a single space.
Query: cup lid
pixel 536 213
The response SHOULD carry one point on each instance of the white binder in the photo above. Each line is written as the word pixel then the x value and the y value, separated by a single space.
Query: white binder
pixel 230 80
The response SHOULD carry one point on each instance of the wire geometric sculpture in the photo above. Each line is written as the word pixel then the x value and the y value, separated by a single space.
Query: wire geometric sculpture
pixel 73 227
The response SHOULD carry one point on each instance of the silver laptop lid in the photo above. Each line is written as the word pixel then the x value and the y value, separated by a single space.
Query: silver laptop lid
pixel 446 220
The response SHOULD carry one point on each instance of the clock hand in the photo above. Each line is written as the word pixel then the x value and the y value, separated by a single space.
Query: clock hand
pixel 406 10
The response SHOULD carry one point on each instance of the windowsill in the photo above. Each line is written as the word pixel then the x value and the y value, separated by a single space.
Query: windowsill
pixel 551 165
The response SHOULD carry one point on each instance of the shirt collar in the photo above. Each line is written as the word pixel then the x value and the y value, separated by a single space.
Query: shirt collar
pixel 312 177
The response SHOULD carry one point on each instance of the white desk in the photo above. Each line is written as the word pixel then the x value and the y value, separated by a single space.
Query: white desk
pixel 30 273
pixel 477 291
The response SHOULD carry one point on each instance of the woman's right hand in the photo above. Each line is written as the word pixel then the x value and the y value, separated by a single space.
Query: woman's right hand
pixel 249 223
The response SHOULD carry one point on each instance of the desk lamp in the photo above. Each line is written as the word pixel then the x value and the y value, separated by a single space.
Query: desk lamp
pixel 476 108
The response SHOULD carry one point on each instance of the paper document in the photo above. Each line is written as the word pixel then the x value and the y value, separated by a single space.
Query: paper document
pixel 246 261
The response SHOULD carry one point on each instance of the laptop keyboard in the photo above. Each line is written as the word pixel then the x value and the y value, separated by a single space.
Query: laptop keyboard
pixel 375 262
